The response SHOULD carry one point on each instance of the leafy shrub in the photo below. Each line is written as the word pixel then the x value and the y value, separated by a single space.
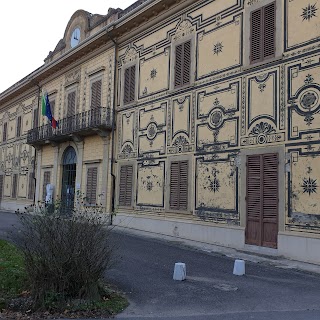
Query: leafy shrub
pixel 66 253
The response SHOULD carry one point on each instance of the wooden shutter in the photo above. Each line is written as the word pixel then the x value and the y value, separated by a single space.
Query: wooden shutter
pixel 263 33
pixel 31 188
pixel 254 193
pixel 19 126
pixel 53 106
pixel 96 94
pixel 46 180
pixel 14 186
pixel 270 200
pixel 91 194
pixel 129 84
pixel 1 186
pixel 269 31
pixel 71 109
pixel 35 118
pixel 5 132
pixel 262 200
pixel 179 185
pixel 182 71
pixel 126 185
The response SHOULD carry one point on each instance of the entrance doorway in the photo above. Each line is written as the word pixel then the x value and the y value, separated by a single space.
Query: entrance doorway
pixel 69 166
pixel 262 200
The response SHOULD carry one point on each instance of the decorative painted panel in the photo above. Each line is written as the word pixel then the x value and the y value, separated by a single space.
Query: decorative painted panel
pixel 303 99
pixel 154 74
pixel 220 49
pixel 151 184
pixel 302 23
pixel 217 117
pixel 152 130
pixel 303 187
pixel 181 125
pixel 263 115
pixel 217 189
pixel 127 135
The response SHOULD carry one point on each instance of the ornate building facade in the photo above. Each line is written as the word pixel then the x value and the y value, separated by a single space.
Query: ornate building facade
pixel 194 119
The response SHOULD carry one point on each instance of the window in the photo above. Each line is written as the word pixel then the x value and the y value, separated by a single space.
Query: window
pixel 1 186
pixel 35 118
pixel 5 132
pixel 14 186
pixel 71 107
pixel 19 126
pixel 179 185
pixel 52 105
pixel 263 33
pixel 31 188
pixel 129 84
pixel 46 180
pixel 126 185
pixel 182 67
pixel 96 94
pixel 91 194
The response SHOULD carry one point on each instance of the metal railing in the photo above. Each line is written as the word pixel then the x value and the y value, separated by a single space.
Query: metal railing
pixel 97 118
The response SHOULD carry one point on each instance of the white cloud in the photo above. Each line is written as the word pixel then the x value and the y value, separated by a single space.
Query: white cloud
pixel 30 29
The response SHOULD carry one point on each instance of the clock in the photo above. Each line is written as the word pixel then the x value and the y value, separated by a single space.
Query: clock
pixel 75 37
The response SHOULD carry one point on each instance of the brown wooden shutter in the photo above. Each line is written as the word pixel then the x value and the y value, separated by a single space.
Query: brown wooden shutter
pixel 270 200
pixel 1 186
pixel 19 126
pixel 14 185
pixel 182 71
pixel 263 33
pixel 129 84
pixel 256 36
pixel 53 106
pixel 35 118
pixel 186 63
pixel 31 188
pixel 91 194
pixel 71 109
pixel 269 31
pixel 179 185
pixel 96 94
pixel 5 132
pixel 254 193
pixel 262 200
pixel 46 180
pixel 126 185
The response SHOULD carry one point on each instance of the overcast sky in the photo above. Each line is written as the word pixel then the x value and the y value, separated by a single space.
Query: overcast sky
pixel 32 28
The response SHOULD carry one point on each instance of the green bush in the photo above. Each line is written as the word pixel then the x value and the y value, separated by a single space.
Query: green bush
pixel 66 253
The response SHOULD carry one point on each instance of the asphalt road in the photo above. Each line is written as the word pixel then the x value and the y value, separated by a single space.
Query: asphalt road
pixel 144 273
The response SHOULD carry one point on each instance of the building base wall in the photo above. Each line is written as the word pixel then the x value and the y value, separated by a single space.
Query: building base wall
pixel 301 248
pixel 13 205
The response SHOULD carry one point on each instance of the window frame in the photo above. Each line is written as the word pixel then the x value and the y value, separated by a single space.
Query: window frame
pixel 92 82
pixel 15 185
pixel 130 64
pixel 5 132
pixel 132 164
pixel 279 33
pixel 190 202
pixel 97 185
pixel 174 45
pixel 19 127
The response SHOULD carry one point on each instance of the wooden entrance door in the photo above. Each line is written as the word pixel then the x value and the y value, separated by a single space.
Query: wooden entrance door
pixel 262 200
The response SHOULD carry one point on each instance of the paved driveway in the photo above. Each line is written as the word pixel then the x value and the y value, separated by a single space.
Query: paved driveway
pixel 145 269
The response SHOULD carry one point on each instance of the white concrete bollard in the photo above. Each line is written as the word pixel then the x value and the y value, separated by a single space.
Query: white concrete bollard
pixel 239 268
pixel 180 271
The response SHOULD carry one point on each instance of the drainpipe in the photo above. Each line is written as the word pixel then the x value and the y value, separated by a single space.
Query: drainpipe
pixel 113 126
pixel 35 150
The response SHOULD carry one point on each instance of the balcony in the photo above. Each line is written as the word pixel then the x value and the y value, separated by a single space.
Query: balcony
pixel 91 122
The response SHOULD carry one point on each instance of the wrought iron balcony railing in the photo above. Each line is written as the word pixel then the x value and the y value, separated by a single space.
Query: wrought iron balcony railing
pixel 98 120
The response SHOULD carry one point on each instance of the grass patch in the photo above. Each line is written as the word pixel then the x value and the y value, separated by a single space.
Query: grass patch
pixel 13 284
pixel 12 273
